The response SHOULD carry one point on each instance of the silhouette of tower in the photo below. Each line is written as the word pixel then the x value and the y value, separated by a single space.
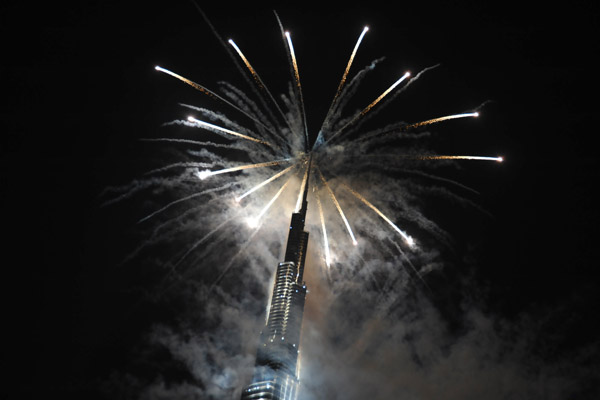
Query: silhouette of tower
pixel 276 369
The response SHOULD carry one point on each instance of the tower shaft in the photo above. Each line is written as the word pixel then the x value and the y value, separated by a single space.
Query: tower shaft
pixel 276 369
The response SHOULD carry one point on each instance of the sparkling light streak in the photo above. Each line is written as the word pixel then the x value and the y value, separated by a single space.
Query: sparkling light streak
pixel 254 221
pixel 370 106
pixel 211 94
pixel 440 119
pixel 339 208
pixel 350 61
pixel 248 65
pixel 227 131
pixel 206 173
pixel 298 86
pixel 324 230
pixel 409 240
pixel 382 95
pixel 265 182
pixel 189 82
pixel 481 158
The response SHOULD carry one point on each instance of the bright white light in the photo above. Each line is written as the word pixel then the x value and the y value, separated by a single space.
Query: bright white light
pixel 252 222
pixel 202 175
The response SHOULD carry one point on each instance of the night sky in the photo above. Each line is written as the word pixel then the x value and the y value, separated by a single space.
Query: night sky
pixel 79 89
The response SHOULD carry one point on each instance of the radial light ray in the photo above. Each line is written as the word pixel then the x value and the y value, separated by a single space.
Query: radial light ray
pixel 339 208
pixel 211 94
pixel 253 222
pixel 265 182
pixel 298 86
pixel 440 119
pixel 247 63
pixel 227 131
pixel 206 173
pixel 324 230
pixel 480 158
pixel 350 61
pixel 369 107
pixel 259 82
pixel 409 240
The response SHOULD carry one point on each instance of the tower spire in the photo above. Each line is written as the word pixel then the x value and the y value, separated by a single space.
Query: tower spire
pixel 305 195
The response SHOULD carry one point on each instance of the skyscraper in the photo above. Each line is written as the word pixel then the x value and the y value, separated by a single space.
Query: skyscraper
pixel 276 369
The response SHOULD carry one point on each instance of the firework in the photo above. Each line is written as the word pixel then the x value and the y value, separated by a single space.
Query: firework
pixel 274 141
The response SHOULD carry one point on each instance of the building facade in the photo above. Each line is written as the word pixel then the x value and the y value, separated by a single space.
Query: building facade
pixel 276 369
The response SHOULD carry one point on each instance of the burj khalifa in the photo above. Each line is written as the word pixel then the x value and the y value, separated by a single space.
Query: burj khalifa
pixel 276 369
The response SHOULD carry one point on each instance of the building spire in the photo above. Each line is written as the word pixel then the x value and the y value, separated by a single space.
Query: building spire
pixel 305 194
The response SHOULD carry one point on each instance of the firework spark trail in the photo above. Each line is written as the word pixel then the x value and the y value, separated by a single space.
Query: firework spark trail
pixel 265 182
pixel 186 198
pixel 440 119
pixel 253 222
pixel 324 230
pixel 259 82
pixel 193 84
pixel 334 116
pixel 217 129
pixel 410 241
pixel 337 205
pixel 401 90
pixel 369 107
pixel 381 96
pixel 206 173
pixel 215 116
pixel 287 42
pixel 350 89
pixel 298 87
pixel 481 158
pixel 389 99
pixel 248 65
pixel 345 75
pixel 234 59
pixel 209 93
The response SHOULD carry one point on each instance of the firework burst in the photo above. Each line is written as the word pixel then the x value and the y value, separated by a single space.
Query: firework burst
pixel 237 179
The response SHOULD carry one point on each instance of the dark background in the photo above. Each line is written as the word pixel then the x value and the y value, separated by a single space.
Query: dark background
pixel 79 89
